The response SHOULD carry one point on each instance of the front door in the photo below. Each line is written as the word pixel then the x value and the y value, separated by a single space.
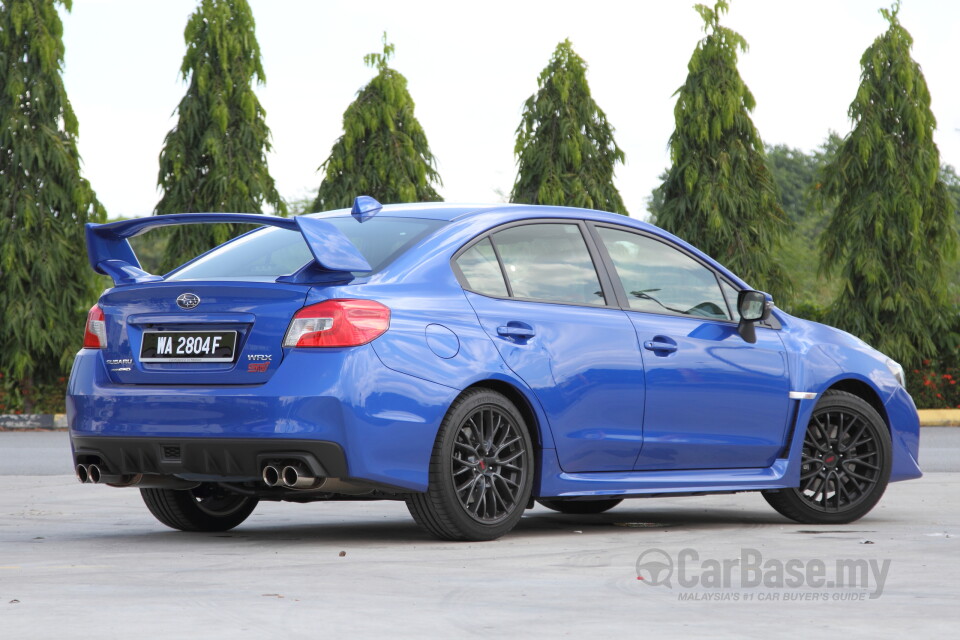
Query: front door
pixel 712 399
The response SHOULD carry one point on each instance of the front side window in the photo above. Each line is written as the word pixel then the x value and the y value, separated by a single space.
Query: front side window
pixel 658 278
pixel 549 262
pixel 731 295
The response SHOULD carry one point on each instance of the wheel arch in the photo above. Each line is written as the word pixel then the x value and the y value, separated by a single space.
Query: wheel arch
pixel 524 405
pixel 865 392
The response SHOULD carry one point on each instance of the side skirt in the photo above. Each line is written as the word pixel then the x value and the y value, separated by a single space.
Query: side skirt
pixel 554 482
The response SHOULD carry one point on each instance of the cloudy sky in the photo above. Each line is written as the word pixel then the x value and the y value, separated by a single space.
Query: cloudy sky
pixel 470 67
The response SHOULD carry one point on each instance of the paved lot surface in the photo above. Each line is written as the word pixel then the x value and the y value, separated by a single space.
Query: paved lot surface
pixel 80 560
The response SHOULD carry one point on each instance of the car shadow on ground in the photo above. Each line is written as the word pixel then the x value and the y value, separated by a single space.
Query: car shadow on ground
pixel 394 527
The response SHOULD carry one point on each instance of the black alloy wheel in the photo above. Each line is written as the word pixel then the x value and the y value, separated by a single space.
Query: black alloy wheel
pixel 481 470
pixel 845 463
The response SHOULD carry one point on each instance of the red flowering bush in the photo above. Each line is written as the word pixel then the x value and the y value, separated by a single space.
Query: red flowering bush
pixel 935 386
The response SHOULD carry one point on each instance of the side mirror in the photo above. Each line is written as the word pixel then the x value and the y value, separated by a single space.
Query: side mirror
pixel 753 308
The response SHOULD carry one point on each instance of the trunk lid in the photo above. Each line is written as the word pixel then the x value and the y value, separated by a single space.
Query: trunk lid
pixel 187 346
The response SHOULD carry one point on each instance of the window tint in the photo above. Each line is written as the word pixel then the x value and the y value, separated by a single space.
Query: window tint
pixel 273 252
pixel 660 279
pixel 269 253
pixel 480 268
pixel 549 262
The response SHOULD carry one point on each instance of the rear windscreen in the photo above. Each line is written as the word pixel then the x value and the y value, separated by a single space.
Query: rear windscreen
pixel 272 252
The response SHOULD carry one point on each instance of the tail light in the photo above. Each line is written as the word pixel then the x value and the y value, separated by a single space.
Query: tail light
pixel 337 323
pixel 95 335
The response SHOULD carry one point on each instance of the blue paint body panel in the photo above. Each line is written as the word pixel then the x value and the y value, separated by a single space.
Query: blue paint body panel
pixel 715 402
pixel 582 364
pixel 608 416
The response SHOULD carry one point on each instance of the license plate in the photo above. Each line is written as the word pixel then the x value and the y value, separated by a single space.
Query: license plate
pixel 188 346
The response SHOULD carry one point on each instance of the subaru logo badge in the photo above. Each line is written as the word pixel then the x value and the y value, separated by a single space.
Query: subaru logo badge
pixel 188 300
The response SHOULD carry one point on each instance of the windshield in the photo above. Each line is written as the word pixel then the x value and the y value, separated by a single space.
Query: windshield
pixel 272 252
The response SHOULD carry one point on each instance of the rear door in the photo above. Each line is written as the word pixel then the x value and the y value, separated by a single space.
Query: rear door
pixel 712 399
pixel 552 324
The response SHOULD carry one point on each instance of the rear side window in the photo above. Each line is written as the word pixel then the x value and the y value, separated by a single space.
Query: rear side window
pixel 548 262
pixel 480 268
pixel 270 253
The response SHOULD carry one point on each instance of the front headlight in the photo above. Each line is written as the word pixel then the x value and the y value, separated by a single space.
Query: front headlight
pixel 897 372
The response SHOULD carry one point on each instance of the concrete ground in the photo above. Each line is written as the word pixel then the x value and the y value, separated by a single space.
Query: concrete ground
pixel 81 560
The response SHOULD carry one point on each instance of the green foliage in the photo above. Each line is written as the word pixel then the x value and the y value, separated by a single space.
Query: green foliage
pixel 794 172
pixel 383 151
pixel 797 174
pixel 46 285
pixel 565 149
pixel 214 159
pixel 892 234
pixel 719 194
pixel 44 395
pixel 952 182
pixel 300 204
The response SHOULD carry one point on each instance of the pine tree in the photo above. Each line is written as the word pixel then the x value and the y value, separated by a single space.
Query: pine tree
pixel 383 151
pixel 892 233
pixel 46 285
pixel 565 149
pixel 719 194
pixel 214 159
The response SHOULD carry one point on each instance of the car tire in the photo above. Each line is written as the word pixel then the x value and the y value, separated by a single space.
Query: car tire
pixel 845 463
pixel 481 470
pixel 580 507
pixel 204 508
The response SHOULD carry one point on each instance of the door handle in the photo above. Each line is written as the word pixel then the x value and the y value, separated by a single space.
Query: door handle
pixel 660 344
pixel 514 329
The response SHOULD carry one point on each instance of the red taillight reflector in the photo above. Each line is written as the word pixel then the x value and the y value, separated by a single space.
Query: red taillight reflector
pixel 95 335
pixel 337 323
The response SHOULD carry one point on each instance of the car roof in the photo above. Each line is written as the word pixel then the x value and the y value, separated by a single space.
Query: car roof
pixel 458 211
pixel 465 214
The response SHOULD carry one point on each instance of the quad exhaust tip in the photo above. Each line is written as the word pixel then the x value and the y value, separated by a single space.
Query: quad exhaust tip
pixel 271 475
pixel 296 477
pixel 291 476
pixel 96 474
pixel 93 474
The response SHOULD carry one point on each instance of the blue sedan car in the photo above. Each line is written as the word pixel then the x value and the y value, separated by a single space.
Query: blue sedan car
pixel 469 360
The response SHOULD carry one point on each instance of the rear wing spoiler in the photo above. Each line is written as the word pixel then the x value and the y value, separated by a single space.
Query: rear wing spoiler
pixel 109 251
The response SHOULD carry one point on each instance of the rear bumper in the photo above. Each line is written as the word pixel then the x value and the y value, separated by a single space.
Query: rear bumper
pixel 384 423
pixel 222 459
